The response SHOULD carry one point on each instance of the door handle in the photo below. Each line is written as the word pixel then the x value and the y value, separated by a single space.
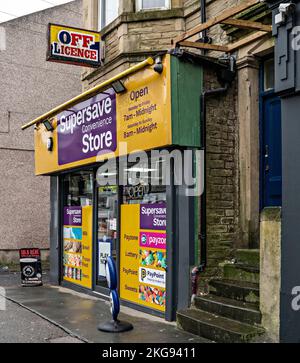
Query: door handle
pixel 266 151
pixel 267 167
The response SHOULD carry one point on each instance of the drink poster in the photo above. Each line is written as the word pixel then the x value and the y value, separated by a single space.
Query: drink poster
pixel 143 255
pixel 77 240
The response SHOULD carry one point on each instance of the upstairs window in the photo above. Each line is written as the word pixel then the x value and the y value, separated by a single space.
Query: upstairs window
pixel 108 11
pixel 153 4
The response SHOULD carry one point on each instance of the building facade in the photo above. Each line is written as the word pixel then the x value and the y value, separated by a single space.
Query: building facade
pixel 29 86
pixel 243 132
pixel 218 81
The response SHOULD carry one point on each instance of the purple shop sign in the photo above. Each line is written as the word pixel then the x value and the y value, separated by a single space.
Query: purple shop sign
pixel 88 129
pixel 72 216
pixel 153 216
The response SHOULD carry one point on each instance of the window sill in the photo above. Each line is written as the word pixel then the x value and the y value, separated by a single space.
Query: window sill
pixel 141 16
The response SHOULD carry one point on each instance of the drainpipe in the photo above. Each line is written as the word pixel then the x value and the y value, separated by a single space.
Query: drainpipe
pixel 203 20
pixel 203 212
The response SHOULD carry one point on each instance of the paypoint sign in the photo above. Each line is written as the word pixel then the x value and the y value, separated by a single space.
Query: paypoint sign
pixel 73 45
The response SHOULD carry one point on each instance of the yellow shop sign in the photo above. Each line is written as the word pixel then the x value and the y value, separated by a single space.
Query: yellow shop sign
pixel 109 124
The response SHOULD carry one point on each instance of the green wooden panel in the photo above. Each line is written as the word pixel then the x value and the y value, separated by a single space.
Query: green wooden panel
pixel 186 88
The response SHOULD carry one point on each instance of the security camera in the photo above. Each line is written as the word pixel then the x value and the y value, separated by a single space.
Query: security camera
pixel 284 10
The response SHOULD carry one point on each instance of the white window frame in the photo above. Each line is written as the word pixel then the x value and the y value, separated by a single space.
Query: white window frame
pixel 101 14
pixel 139 6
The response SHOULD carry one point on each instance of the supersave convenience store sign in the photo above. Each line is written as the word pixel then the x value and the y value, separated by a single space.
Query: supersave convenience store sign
pixel 73 45
pixel 154 111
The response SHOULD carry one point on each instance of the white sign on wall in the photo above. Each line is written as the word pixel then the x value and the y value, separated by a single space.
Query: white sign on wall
pixel 104 252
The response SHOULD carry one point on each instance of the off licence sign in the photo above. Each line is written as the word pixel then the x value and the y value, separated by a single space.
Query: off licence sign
pixel 73 46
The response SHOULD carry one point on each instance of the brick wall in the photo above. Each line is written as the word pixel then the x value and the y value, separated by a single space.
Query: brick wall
pixel 222 174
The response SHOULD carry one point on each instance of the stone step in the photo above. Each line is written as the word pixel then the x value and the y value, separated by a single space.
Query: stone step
pixel 237 290
pixel 241 272
pixel 216 328
pixel 248 257
pixel 237 310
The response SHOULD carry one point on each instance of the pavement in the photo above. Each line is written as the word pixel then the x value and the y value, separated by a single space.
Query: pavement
pixel 56 314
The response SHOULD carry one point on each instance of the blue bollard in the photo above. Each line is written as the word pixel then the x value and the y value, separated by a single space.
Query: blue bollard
pixel 114 325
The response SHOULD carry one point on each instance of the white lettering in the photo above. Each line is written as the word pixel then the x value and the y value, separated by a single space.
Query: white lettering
pixel 90 113
pixel 296 300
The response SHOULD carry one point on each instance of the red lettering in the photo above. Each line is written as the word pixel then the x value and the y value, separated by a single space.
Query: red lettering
pixel 67 50
pixel 80 52
pixel 87 39
pixel 75 37
pixel 93 55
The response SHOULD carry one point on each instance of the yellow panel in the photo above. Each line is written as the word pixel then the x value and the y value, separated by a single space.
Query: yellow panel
pixel 131 289
pixel 146 104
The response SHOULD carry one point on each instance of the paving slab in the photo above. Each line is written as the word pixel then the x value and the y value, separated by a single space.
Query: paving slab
pixel 18 325
pixel 80 314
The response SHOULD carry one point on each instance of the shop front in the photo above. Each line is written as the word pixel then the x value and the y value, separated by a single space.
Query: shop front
pixel 121 159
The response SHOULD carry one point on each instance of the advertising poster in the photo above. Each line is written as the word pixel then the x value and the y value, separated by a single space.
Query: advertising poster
pixel 77 240
pixel 31 266
pixel 144 255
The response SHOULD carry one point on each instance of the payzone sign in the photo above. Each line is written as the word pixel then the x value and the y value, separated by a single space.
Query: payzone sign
pixel 73 45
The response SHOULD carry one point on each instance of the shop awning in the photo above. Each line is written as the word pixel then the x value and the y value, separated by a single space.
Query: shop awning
pixel 89 93
pixel 227 17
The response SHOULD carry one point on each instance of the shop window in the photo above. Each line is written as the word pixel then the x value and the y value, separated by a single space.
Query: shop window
pixel 77 228
pixel 153 5
pixel 108 11
pixel 146 182
pixel 78 189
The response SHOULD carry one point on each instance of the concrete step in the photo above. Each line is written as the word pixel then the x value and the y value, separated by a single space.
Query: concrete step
pixel 216 328
pixel 237 310
pixel 248 257
pixel 237 290
pixel 241 272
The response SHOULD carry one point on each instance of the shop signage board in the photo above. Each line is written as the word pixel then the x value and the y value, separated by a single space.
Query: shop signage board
pixel 155 111
pixel 73 46
pixel 31 266
pixel 143 255
pixel 77 245
pixel 88 130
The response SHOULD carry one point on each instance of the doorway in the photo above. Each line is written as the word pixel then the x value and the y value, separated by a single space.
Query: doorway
pixel 270 139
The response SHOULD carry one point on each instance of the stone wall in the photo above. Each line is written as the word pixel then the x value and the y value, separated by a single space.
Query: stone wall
pixel 270 267
pixel 222 174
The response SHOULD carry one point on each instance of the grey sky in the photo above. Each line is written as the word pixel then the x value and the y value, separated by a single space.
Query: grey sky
pixel 10 9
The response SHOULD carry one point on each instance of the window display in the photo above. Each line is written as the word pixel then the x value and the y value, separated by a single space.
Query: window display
pixel 77 228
